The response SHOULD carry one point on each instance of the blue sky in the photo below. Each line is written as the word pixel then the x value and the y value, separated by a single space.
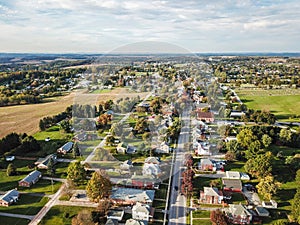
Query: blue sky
pixel 101 26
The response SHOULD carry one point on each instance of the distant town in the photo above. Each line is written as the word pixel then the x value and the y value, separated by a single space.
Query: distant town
pixel 150 139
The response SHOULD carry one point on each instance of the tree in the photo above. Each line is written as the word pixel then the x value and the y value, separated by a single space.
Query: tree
pixel 110 140
pixel 266 140
pixel 230 156
pixel 218 218
pixel 245 137
pixel 285 136
pixel 76 173
pixel 267 187
pixel 11 170
pixel 99 186
pixel 84 217
pixel 50 167
pixel 260 166
pixel 76 150
pixel 103 206
pixel 295 203
pixel 65 126
pixel 141 126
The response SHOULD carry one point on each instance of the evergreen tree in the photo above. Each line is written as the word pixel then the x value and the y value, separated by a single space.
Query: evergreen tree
pixel 76 173
pixel 98 187
pixel 11 170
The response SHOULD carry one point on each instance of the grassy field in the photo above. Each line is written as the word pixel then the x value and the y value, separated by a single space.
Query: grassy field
pixel 283 103
pixel 61 215
pixel 25 118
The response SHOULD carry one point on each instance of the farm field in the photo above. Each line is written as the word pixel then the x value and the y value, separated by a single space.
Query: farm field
pixel 283 103
pixel 25 118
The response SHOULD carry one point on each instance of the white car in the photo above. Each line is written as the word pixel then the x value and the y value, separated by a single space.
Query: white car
pixel 10 158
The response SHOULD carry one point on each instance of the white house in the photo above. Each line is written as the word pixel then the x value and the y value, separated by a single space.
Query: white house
pixel 141 212
pixel 151 169
pixel 163 148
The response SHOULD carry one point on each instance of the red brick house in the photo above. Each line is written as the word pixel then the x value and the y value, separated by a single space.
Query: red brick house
pixel 208 117
pixel 211 195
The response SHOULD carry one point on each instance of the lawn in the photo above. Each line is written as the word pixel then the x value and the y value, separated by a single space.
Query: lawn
pixel 202 222
pixel 201 214
pixel 235 166
pixel 13 221
pixel 100 91
pixel 284 104
pixel 27 205
pixel 42 186
pixel 61 215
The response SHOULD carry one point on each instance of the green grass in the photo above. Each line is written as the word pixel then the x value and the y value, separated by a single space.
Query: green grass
pixel 235 166
pixel 157 204
pixel 27 205
pixel 201 214
pixel 58 215
pixel 42 186
pixel 53 132
pixel 202 222
pixel 278 102
pixel 13 221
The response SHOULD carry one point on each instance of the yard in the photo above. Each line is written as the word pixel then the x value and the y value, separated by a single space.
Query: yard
pixel 13 221
pixel 283 103
pixel 61 215
pixel 27 205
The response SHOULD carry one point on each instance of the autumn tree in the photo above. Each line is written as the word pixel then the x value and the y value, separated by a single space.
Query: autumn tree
pixel 110 140
pixel 141 126
pixel 266 140
pixel 103 207
pixel 245 137
pixel 295 203
pixel 76 173
pixel 217 217
pixel 267 187
pixel 99 186
pixel 84 217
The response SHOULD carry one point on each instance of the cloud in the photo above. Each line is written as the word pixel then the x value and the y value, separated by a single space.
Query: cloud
pixel 199 25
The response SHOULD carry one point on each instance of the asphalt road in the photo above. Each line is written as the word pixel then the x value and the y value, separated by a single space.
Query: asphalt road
pixel 177 209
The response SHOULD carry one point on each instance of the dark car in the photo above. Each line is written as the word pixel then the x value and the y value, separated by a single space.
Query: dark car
pixel 176 188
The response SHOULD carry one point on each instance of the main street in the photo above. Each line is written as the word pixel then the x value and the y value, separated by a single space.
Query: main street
pixel 177 209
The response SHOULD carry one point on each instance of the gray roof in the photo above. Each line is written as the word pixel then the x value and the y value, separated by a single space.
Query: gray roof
pixel 238 210
pixel 67 147
pixel 132 194
pixel 10 196
pixel 32 177
pixel 154 160
pixel 134 222
pixel 139 207
pixel 112 222
pixel 232 183
pixel 211 191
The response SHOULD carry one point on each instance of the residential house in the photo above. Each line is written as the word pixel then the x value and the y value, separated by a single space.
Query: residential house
pixel 270 204
pixel 130 196
pixel 151 169
pixel 235 114
pixel 238 214
pixel 153 160
pixel 30 179
pixel 42 163
pixel 134 222
pixel 141 212
pixel 207 165
pixel 121 148
pixel 115 214
pixel 66 148
pixel 237 175
pixel 145 181
pixel 233 185
pixel 126 165
pixel 111 222
pixel 163 148
pixel 211 195
pixel 207 117
pixel 9 197
pixel 202 149
pixel 261 211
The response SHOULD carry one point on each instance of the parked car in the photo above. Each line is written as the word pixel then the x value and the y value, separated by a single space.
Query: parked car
pixel 10 158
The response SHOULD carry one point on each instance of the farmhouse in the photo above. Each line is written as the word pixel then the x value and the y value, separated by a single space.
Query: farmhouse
pixel 9 197
pixel 30 179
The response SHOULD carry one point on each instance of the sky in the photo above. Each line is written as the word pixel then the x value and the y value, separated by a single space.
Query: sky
pixel 104 26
